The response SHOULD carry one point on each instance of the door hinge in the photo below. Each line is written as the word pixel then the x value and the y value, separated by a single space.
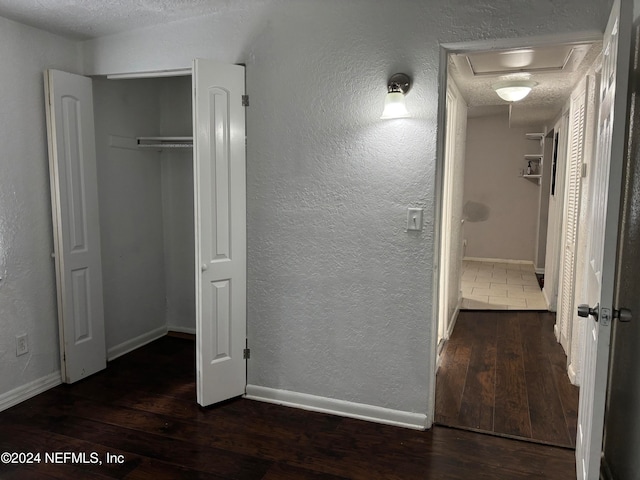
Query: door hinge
pixel 245 100
pixel 246 353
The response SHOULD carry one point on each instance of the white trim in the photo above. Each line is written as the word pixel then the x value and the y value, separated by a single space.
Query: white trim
pixel 573 375
pixel 174 328
pixel 139 341
pixel 441 345
pixel 31 389
pixel 546 299
pixel 540 271
pixel 454 317
pixel 520 42
pixel 451 325
pixel 361 411
pixel 498 260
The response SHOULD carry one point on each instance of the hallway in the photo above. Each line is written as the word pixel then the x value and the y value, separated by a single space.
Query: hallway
pixel 504 372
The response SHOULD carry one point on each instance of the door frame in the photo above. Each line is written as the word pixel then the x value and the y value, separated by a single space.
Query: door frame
pixel 445 50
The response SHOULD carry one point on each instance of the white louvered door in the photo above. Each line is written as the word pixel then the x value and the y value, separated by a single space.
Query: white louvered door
pixel 577 117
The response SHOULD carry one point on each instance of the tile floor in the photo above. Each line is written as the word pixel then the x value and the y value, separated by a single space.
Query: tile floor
pixel 488 285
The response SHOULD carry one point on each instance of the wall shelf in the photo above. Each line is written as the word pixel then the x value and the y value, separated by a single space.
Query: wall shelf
pixel 534 178
pixel 535 136
pixel 534 159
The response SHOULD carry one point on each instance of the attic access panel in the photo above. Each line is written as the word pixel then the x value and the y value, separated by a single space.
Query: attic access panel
pixel 538 59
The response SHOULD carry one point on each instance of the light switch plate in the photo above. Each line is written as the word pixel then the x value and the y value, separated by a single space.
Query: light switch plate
pixel 414 219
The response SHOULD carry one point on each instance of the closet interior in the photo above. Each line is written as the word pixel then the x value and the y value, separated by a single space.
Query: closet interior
pixel 145 189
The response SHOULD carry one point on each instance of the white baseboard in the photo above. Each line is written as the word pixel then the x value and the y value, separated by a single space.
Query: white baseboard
pixel 540 271
pixel 447 335
pixel 174 328
pixel 361 411
pixel 139 341
pixel 556 332
pixel 551 308
pixel 499 260
pixel 573 375
pixel 454 317
pixel 31 389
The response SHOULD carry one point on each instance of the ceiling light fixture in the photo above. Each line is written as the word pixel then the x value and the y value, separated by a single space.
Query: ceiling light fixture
pixel 394 106
pixel 513 90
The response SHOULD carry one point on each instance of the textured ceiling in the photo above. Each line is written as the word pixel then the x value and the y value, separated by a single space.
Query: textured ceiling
pixel 540 107
pixel 82 19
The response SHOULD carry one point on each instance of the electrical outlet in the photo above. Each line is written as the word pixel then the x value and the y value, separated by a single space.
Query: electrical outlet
pixel 22 344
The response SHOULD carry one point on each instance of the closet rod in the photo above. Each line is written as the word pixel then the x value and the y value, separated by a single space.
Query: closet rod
pixel 164 142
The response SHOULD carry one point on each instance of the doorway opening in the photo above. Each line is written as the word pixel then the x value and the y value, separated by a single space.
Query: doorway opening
pixel 145 189
pixel 169 228
pixel 504 231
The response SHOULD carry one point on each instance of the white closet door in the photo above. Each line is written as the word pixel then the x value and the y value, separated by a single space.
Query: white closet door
pixel 575 157
pixel 220 219
pixel 76 229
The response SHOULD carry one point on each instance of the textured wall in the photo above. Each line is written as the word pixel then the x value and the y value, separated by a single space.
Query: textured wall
pixel 339 295
pixel 27 288
pixel 507 227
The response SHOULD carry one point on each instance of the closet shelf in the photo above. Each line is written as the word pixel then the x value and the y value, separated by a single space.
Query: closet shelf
pixel 164 142
pixel 533 156
pixel 535 136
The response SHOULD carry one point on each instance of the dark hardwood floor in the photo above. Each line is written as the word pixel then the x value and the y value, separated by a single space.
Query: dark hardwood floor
pixel 504 372
pixel 143 408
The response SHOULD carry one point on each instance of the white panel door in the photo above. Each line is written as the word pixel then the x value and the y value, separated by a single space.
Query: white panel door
pixel 76 229
pixel 220 219
pixel 606 177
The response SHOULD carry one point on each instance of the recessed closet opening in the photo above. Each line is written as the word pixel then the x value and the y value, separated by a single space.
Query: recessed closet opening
pixel 146 212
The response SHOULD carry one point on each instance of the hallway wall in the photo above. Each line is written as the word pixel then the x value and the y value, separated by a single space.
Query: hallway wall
pixel 500 207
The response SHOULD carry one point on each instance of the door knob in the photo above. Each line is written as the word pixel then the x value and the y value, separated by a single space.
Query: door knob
pixel 623 315
pixel 203 267
pixel 585 310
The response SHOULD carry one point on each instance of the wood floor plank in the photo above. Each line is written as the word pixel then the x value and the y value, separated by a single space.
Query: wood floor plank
pixel 569 394
pixel 511 414
pixel 545 408
pixel 478 399
pixel 451 380
pixel 163 434
pixel 528 361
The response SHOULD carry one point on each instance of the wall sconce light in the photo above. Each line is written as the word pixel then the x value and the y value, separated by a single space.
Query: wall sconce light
pixel 513 90
pixel 394 106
